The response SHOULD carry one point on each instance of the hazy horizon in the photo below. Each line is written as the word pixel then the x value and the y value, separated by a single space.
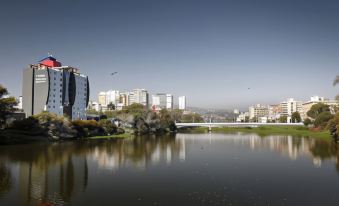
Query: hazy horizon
pixel 219 54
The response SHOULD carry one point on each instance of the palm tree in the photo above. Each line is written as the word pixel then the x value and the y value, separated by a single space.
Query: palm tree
pixel 335 82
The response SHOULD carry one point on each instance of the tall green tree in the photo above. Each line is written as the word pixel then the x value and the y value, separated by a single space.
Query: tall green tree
pixel 317 109
pixel 111 106
pixel 296 118
pixel 6 105
pixel 335 82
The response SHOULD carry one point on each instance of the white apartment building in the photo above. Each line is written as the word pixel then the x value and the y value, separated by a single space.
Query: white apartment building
pixel 169 101
pixel 112 96
pixel 258 111
pixel 162 101
pixel 139 96
pixel 182 102
pixel 290 106
pixel 102 98
pixel 242 116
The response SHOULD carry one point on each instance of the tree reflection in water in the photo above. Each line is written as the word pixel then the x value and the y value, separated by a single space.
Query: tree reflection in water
pixel 5 179
pixel 52 174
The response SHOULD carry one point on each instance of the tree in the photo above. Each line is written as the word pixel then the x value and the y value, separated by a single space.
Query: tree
pixel 322 119
pixel 111 106
pixel 6 105
pixel 317 109
pixel 335 82
pixel 6 180
pixel 296 117
pixel 283 119
pixel 333 126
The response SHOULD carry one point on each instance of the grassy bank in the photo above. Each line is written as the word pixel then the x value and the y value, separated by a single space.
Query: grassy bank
pixel 299 131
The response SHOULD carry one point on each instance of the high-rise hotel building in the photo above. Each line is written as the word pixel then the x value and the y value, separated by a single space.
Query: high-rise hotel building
pixel 49 86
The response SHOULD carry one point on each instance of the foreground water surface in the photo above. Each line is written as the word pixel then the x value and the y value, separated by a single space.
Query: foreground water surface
pixel 186 169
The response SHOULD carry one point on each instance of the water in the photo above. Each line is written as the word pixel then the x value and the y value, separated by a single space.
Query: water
pixel 186 169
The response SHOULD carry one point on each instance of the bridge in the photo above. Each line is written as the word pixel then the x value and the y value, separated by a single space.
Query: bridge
pixel 234 124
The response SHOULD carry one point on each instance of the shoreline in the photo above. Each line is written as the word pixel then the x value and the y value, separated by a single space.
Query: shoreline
pixel 263 131
pixel 299 131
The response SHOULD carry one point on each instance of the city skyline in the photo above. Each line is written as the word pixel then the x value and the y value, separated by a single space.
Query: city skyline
pixel 224 54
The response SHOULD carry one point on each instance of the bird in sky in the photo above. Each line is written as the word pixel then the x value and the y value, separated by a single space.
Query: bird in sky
pixel 113 73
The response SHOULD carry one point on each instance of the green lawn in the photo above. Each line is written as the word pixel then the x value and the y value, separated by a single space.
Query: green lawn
pixel 265 131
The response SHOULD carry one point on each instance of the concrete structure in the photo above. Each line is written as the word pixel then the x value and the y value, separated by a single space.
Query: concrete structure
pixel 169 101
pixel 19 106
pixel 290 106
pixel 274 112
pixel 155 103
pixel 112 96
pixel 262 119
pixel 102 98
pixel 94 106
pixel 125 98
pixel 139 96
pixel 62 90
pixel 243 116
pixel 258 111
pixel 162 101
pixel 182 103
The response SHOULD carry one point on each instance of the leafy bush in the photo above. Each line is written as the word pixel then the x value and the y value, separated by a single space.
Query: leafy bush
pixel 108 126
pixel 307 121
pixel 88 128
pixel 27 124
pixel 283 119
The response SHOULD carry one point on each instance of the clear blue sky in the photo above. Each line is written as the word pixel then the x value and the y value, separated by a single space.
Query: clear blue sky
pixel 210 51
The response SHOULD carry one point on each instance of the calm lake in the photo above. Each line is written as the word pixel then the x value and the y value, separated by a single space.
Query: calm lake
pixel 186 169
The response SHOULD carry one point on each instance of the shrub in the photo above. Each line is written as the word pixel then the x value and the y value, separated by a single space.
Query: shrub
pixel 87 128
pixel 307 121
pixel 108 126
pixel 283 119
pixel 27 124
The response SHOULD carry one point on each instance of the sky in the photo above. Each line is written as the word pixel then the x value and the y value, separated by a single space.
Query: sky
pixel 219 54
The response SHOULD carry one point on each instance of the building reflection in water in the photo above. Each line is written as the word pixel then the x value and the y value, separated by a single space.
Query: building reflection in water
pixel 52 174
pixel 139 152
pixel 293 147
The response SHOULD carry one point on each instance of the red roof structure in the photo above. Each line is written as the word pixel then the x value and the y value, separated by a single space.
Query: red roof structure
pixel 50 62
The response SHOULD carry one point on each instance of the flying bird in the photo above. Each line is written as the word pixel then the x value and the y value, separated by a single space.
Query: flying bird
pixel 113 73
